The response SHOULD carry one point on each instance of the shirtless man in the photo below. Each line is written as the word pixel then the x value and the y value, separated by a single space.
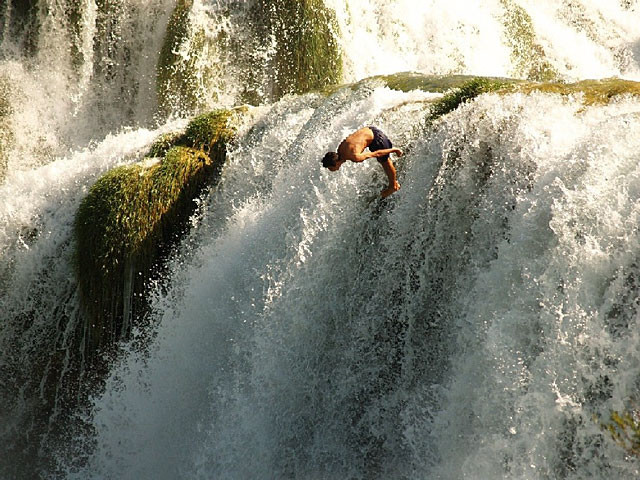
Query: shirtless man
pixel 380 147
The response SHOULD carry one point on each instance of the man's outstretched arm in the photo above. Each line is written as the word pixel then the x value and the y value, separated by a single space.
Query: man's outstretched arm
pixel 377 154
pixel 390 170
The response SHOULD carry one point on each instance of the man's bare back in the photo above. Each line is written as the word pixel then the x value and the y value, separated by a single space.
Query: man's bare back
pixel 352 148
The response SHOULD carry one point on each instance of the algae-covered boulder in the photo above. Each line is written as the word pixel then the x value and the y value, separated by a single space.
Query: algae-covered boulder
pixel 183 68
pixel 307 55
pixel 132 216
pixel 287 47
pixel 209 132
pixel 527 54
pixel 465 92
pixel 459 89
pixel 592 92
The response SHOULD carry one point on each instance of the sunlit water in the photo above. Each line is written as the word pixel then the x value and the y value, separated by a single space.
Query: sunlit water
pixel 469 327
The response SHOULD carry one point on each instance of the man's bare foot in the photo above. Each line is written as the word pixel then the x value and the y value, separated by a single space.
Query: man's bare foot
pixel 388 191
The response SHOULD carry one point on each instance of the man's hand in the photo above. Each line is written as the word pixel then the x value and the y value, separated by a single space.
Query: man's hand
pixel 388 191
pixel 397 151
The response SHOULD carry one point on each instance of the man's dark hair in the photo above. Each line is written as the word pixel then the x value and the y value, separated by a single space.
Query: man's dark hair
pixel 330 160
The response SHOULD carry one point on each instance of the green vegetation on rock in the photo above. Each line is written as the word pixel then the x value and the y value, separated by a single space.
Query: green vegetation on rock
pixel 131 217
pixel 527 55
pixel 208 132
pixel 594 92
pixel 624 429
pixel 307 55
pixel 182 72
pixel 287 47
pixel 460 89
pixel 408 81
pixel 468 91
pixel 6 132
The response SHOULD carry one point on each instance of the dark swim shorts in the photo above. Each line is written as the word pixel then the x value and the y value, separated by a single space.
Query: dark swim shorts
pixel 380 142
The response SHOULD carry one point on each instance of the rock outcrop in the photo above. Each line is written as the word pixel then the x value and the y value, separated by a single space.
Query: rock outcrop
pixel 134 214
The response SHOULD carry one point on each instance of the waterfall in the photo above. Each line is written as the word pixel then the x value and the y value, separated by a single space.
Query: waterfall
pixel 479 323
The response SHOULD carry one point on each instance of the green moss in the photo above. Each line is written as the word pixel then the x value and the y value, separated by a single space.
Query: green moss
pixel 6 132
pixel 292 49
pixel 527 55
pixel 462 94
pixel 131 217
pixel 461 88
pixel 208 132
pixel 624 429
pixel 408 81
pixel 594 92
pixel 211 131
pixel 178 76
pixel 307 55
pixel 164 143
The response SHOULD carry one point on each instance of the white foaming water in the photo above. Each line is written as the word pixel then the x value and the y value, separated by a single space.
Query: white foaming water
pixel 84 81
pixel 469 327
pixel 580 39
pixel 38 302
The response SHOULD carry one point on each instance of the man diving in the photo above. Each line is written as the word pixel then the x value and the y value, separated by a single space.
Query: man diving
pixel 380 147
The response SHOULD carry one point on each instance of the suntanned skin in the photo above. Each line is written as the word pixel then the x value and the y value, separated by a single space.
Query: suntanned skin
pixel 352 148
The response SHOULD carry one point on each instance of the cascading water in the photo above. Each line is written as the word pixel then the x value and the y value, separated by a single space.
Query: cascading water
pixel 476 324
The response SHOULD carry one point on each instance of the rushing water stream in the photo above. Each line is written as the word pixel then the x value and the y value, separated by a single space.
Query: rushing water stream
pixel 472 325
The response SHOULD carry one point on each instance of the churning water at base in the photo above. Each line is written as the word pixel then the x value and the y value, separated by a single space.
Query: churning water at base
pixel 470 326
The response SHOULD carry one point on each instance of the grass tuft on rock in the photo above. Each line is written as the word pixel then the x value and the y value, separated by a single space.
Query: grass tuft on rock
pixel 462 94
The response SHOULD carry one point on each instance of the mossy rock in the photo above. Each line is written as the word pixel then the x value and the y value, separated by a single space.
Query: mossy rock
pixel 164 143
pixel 624 429
pixel 180 71
pixel 209 132
pixel 408 81
pixel 307 55
pixel 527 55
pixel 6 131
pixel 303 54
pixel 594 92
pixel 131 218
pixel 465 92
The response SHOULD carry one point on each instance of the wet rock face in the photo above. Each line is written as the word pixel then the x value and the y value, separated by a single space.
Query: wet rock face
pixel 19 22
pixel 6 130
